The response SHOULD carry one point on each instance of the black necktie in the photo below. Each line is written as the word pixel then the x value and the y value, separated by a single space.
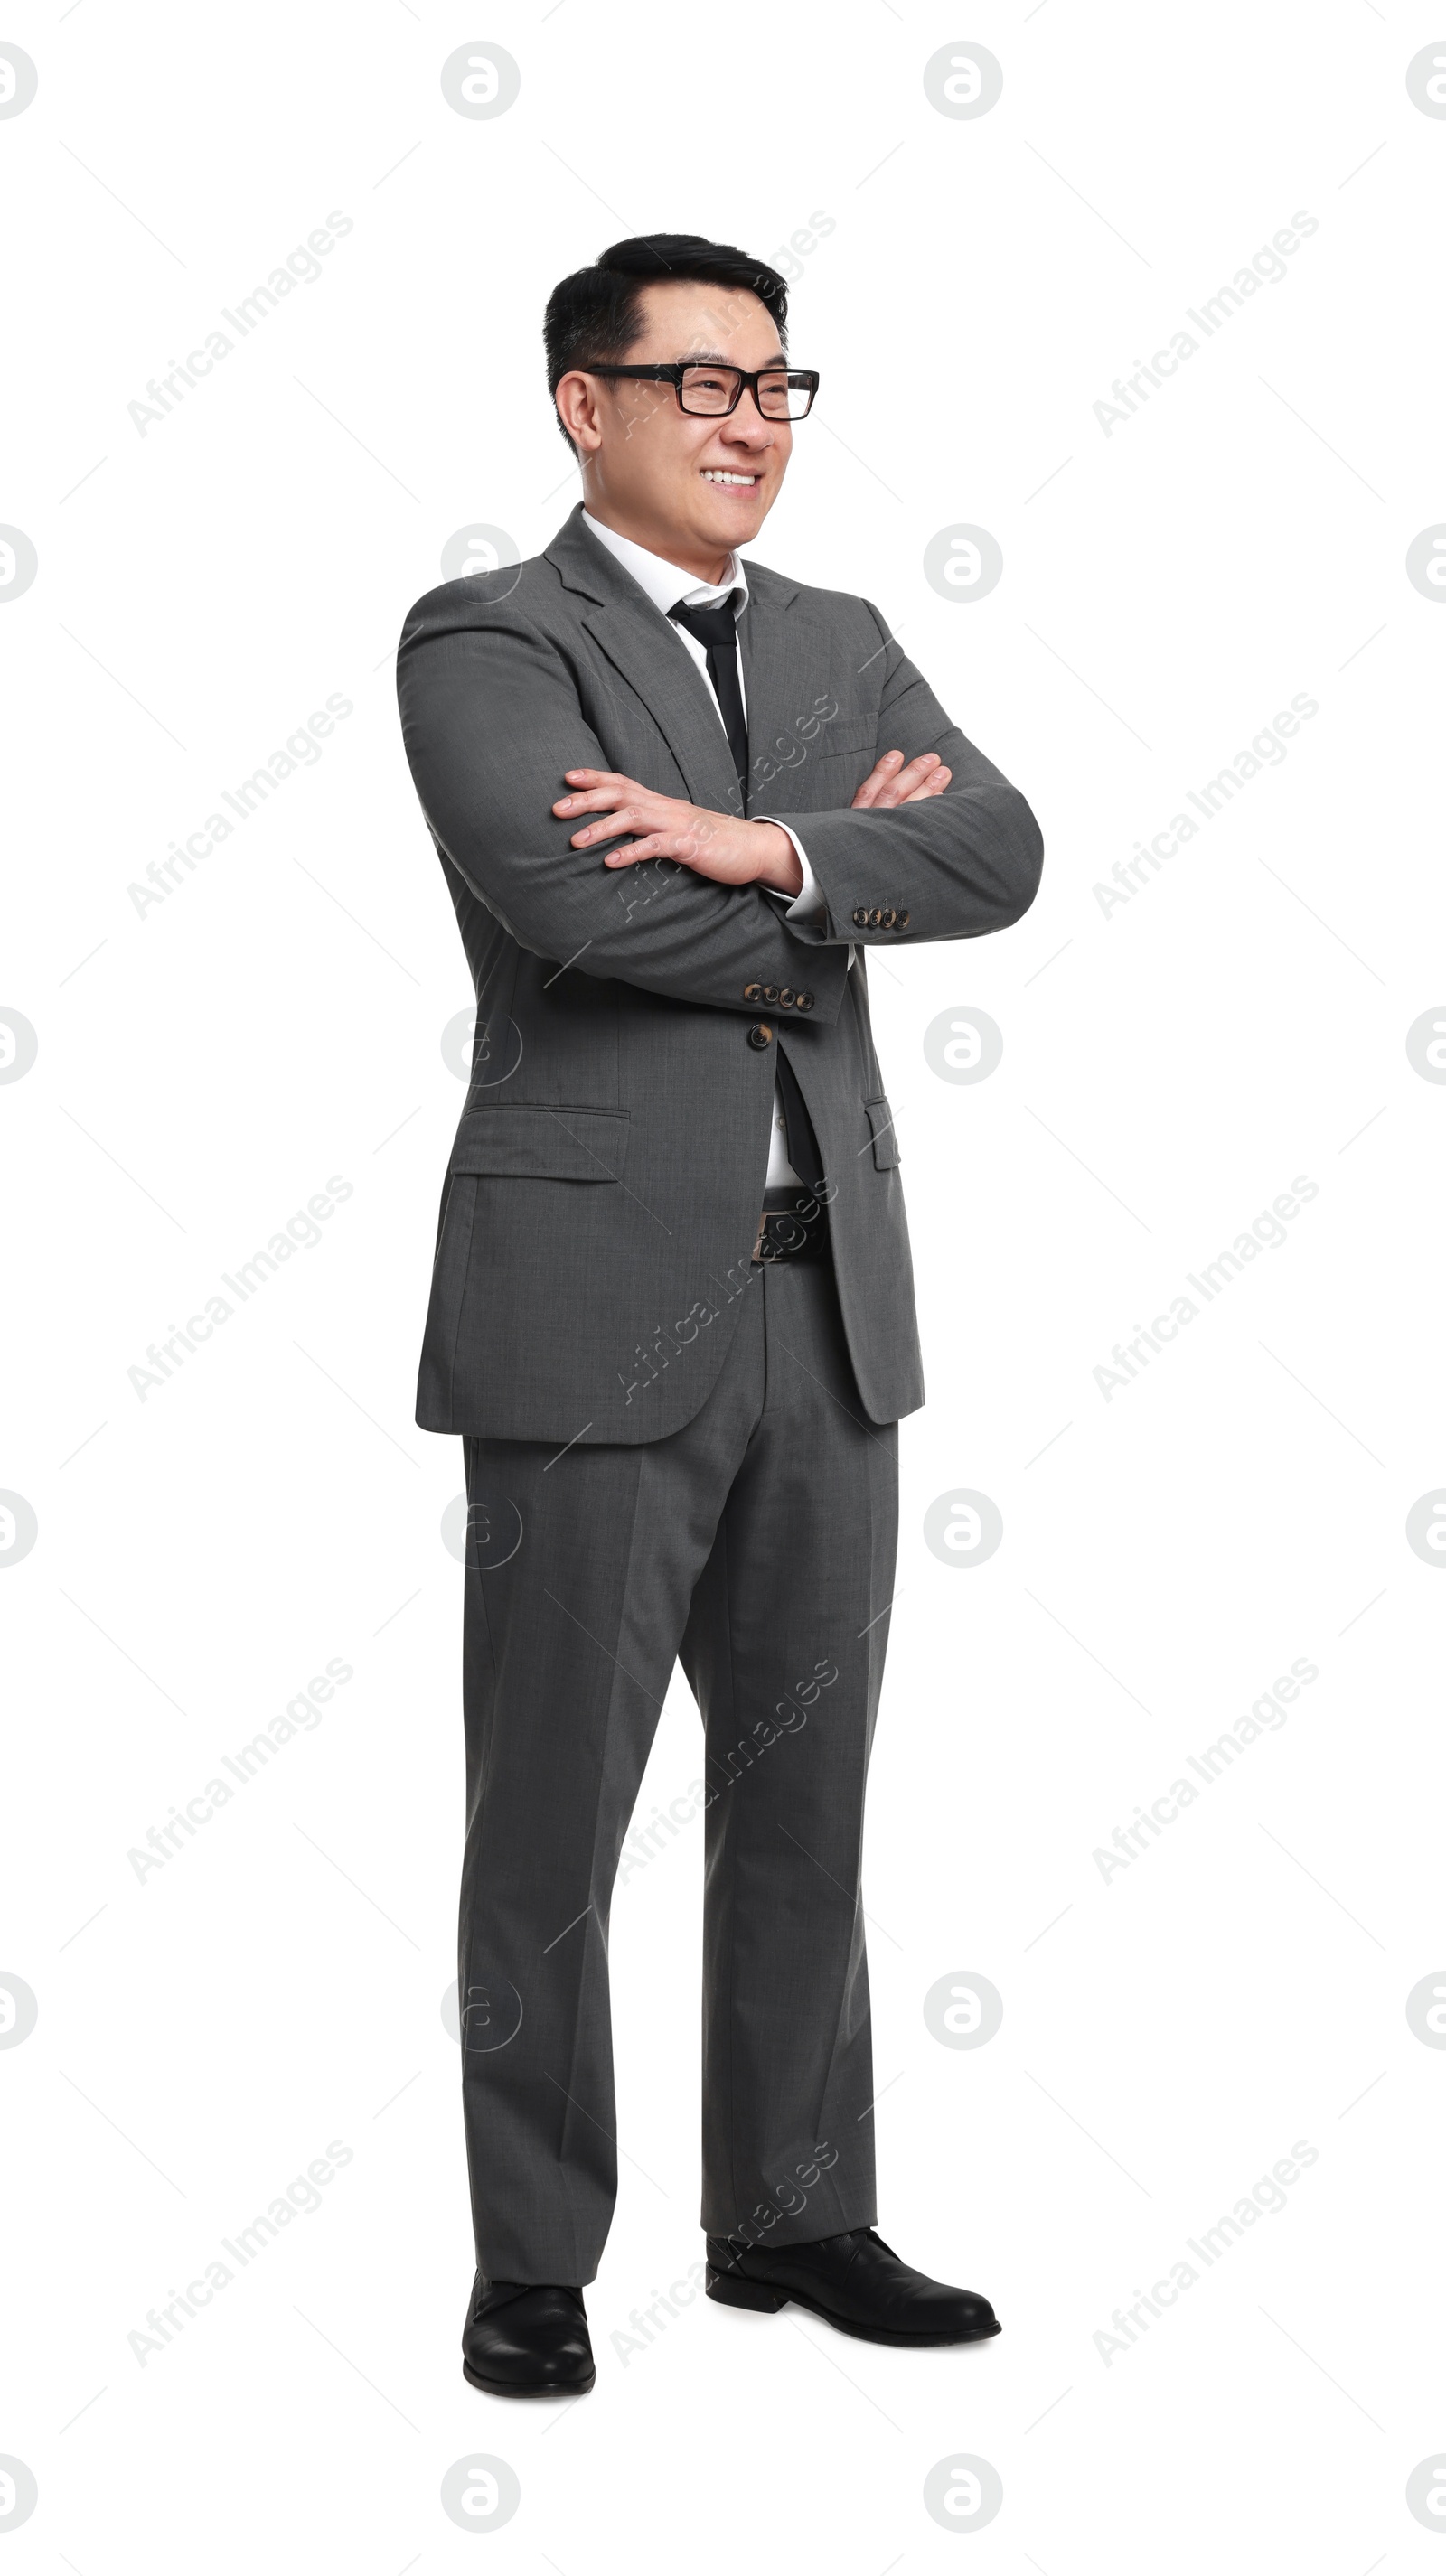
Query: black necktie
pixel 716 629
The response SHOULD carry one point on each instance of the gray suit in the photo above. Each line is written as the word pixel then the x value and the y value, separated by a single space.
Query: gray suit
pixel 671 1450
pixel 624 1091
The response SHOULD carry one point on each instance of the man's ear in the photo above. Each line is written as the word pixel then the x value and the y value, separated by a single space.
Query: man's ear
pixel 577 404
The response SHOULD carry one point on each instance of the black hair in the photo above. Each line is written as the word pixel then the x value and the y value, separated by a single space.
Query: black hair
pixel 594 316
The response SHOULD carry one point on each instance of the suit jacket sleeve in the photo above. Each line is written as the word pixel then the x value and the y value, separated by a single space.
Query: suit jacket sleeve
pixel 959 864
pixel 491 720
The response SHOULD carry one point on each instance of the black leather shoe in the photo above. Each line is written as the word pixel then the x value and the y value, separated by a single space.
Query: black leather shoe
pixel 855 2282
pixel 522 2339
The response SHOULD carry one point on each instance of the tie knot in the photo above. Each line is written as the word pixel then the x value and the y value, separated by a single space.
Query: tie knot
pixel 709 626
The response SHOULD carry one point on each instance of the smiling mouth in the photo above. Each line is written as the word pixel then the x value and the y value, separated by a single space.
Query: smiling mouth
pixel 731 482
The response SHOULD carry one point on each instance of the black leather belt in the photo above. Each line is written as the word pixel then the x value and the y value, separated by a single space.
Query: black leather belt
pixel 793 1226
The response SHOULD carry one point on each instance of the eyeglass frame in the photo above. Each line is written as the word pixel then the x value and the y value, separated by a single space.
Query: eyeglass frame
pixel 674 372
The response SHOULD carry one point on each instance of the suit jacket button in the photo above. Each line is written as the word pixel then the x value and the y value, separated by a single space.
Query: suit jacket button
pixel 753 992
pixel 875 918
pixel 901 921
pixel 861 919
pixel 804 1002
pixel 770 992
pixel 786 997
pixel 760 1035
pixel 889 920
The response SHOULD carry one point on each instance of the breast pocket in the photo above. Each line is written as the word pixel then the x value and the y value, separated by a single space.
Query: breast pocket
pixel 845 734
pixel 847 738
pixel 820 769
pixel 881 1125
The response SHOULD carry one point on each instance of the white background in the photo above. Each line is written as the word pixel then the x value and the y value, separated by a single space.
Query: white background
pixel 1169 1067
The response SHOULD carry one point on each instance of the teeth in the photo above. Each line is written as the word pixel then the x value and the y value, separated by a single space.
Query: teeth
pixel 713 474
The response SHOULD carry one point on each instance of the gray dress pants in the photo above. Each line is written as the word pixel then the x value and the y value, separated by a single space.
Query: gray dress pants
pixel 757 1544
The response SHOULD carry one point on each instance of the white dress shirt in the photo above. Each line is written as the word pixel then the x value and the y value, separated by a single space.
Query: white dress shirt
pixel 669 586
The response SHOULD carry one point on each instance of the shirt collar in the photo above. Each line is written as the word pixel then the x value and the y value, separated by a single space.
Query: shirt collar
pixel 667 584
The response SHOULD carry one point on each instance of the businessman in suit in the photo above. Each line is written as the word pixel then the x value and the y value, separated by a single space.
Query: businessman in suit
pixel 676 801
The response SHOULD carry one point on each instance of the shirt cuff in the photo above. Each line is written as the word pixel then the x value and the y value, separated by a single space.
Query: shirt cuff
pixel 808 903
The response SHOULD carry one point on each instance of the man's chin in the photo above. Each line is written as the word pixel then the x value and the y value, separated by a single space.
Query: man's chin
pixel 730 523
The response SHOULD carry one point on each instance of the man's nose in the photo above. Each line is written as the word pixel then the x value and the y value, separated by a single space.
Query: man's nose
pixel 747 421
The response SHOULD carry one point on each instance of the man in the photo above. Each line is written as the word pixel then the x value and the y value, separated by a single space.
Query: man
pixel 676 801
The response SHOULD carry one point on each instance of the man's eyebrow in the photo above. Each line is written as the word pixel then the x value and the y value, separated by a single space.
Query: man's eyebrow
pixel 716 358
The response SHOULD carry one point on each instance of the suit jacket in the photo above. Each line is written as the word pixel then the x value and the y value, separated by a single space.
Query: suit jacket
pixel 602 1196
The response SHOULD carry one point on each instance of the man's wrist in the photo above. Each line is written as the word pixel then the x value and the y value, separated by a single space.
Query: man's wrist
pixel 778 868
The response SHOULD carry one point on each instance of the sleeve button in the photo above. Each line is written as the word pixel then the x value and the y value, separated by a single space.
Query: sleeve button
pixel 752 992
pixel 901 921
pixel 861 919
pixel 805 1002
pixel 875 918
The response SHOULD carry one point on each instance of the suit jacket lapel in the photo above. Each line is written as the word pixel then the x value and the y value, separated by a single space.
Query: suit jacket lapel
pixel 785 669
pixel 657 665
pixel 653 660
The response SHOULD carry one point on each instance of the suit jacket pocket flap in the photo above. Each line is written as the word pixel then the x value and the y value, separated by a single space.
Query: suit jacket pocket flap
pixel 886 1142
pixel 562 1144
pixel 845 733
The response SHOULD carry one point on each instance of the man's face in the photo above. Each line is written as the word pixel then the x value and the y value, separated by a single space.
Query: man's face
pixel 689 487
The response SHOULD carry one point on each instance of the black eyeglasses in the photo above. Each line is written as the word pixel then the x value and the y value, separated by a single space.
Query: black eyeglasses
pixel 779 393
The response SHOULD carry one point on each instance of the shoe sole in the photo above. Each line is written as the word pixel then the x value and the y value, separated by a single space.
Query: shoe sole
pixel 736 2292
pixel 511 2388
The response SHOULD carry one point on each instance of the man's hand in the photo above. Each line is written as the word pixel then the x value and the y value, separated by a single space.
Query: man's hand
pixel 723 846
pixel 890 782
